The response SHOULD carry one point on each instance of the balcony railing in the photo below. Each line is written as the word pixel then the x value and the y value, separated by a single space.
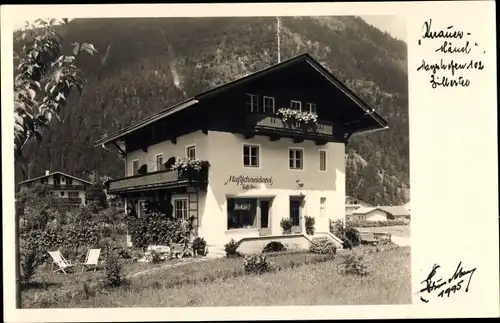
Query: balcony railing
pixel 67 187
pixel 71 200
pixel 261 121
pixel 165 178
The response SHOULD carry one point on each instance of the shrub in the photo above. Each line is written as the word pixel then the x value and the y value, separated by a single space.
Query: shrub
pixel 352 235
pixel 231 249
pixel 372 224
pixel 310 222
pixel 257 264
pixel 156 228
pixel 354 265
pixel 114 271
pixel 155 257
pixel 274 246
pixel 29 263
pixel 322 246
pixel 199 245
pixel 286 225
pixel 349 235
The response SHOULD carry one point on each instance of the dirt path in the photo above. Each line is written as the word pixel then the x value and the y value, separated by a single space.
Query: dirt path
pixel 167 265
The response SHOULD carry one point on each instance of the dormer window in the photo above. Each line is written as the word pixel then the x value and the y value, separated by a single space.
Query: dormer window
pixel 268 104
pixel 253 102
pixel 296 105
pixel 311 107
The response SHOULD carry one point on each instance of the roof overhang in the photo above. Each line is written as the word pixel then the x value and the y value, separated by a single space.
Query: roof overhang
pixel 121 133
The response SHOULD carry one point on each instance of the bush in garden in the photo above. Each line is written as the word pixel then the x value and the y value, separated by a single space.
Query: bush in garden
pixel 199 244
pixel 257 264
pixel 310 222
pixel 349 235
pixel 373 224
pixel 322 246
pixel 274 246
pixel 286 225
pixel 155 257
pixel 353 236
pixel 30 261
pixel 114 275
pixel 354 265
pixel 157 228
pixel 231 249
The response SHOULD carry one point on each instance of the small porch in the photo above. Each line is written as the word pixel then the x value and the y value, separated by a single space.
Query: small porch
pixel 174 194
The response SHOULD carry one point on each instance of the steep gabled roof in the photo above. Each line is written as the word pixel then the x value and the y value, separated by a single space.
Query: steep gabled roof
pixel 61 173
pixel 366 210
pixel 396 210
pixel 381 123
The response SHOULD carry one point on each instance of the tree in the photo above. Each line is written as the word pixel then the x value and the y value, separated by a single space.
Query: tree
pixel 44 79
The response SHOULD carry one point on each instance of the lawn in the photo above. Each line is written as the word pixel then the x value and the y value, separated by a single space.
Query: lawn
pixel 303 279
pixel 397 230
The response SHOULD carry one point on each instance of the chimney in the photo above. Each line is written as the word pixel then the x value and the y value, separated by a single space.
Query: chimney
pixel 47 172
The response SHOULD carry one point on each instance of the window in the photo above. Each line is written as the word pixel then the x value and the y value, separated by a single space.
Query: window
pixel 322 160
pixel 69 181
pixel 62 193
pixel 241 213
pixel 268 104
pixel 250 156
pixel 253 102
pixel 159 162
pixel 311 107
pixel 73 194
pixel 191 152
pixel 322 207
pixel 135 167
pixel 181 208
pixel 296 105
pixel 295 158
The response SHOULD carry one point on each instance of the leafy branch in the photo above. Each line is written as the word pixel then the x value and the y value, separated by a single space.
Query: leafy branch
pixel 44 80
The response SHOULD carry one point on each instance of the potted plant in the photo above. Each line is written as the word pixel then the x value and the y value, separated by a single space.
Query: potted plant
pixel 286 225
pixel 310 222
pixel 199 246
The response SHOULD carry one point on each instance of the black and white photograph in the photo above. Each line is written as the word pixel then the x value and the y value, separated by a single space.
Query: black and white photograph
pixel 218 161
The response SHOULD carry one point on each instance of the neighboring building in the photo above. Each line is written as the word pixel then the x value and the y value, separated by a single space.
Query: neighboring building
pixel 369 214
pixel 379 213
pixel 261 168
pixel 352 204
pixel 61 185
pixel 397 212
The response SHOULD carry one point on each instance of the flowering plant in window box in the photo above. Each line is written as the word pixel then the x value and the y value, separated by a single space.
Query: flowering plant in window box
pixel 301 118
pixel 188 167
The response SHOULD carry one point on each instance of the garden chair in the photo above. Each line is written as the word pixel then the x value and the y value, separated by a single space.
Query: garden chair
pixel 92 259
pixel 59 260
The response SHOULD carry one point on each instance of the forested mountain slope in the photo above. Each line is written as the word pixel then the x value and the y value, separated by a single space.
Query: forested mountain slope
pixel 148 64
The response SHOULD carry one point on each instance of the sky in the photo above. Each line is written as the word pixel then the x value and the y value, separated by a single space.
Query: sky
pixel 394 25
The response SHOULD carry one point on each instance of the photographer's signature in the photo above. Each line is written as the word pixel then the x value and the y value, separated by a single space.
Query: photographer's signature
pixel 445 287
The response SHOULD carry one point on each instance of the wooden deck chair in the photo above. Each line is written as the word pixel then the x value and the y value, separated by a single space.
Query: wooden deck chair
pixel 59 260
pixel 92 259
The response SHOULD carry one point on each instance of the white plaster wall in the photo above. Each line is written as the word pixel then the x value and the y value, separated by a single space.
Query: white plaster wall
pixel 376 215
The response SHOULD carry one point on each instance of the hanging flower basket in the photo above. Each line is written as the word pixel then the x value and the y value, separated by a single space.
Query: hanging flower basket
pixel 297 118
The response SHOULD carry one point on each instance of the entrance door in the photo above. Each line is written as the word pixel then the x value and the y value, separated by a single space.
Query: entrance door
pixel 295 210
pixel 265 227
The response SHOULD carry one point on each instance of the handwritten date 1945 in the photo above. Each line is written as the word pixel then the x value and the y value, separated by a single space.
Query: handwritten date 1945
pixel 446 288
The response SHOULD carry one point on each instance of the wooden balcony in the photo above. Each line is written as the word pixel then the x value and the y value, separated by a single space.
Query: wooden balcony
pixel 67 187
pixel 157 180
pixel 269 123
